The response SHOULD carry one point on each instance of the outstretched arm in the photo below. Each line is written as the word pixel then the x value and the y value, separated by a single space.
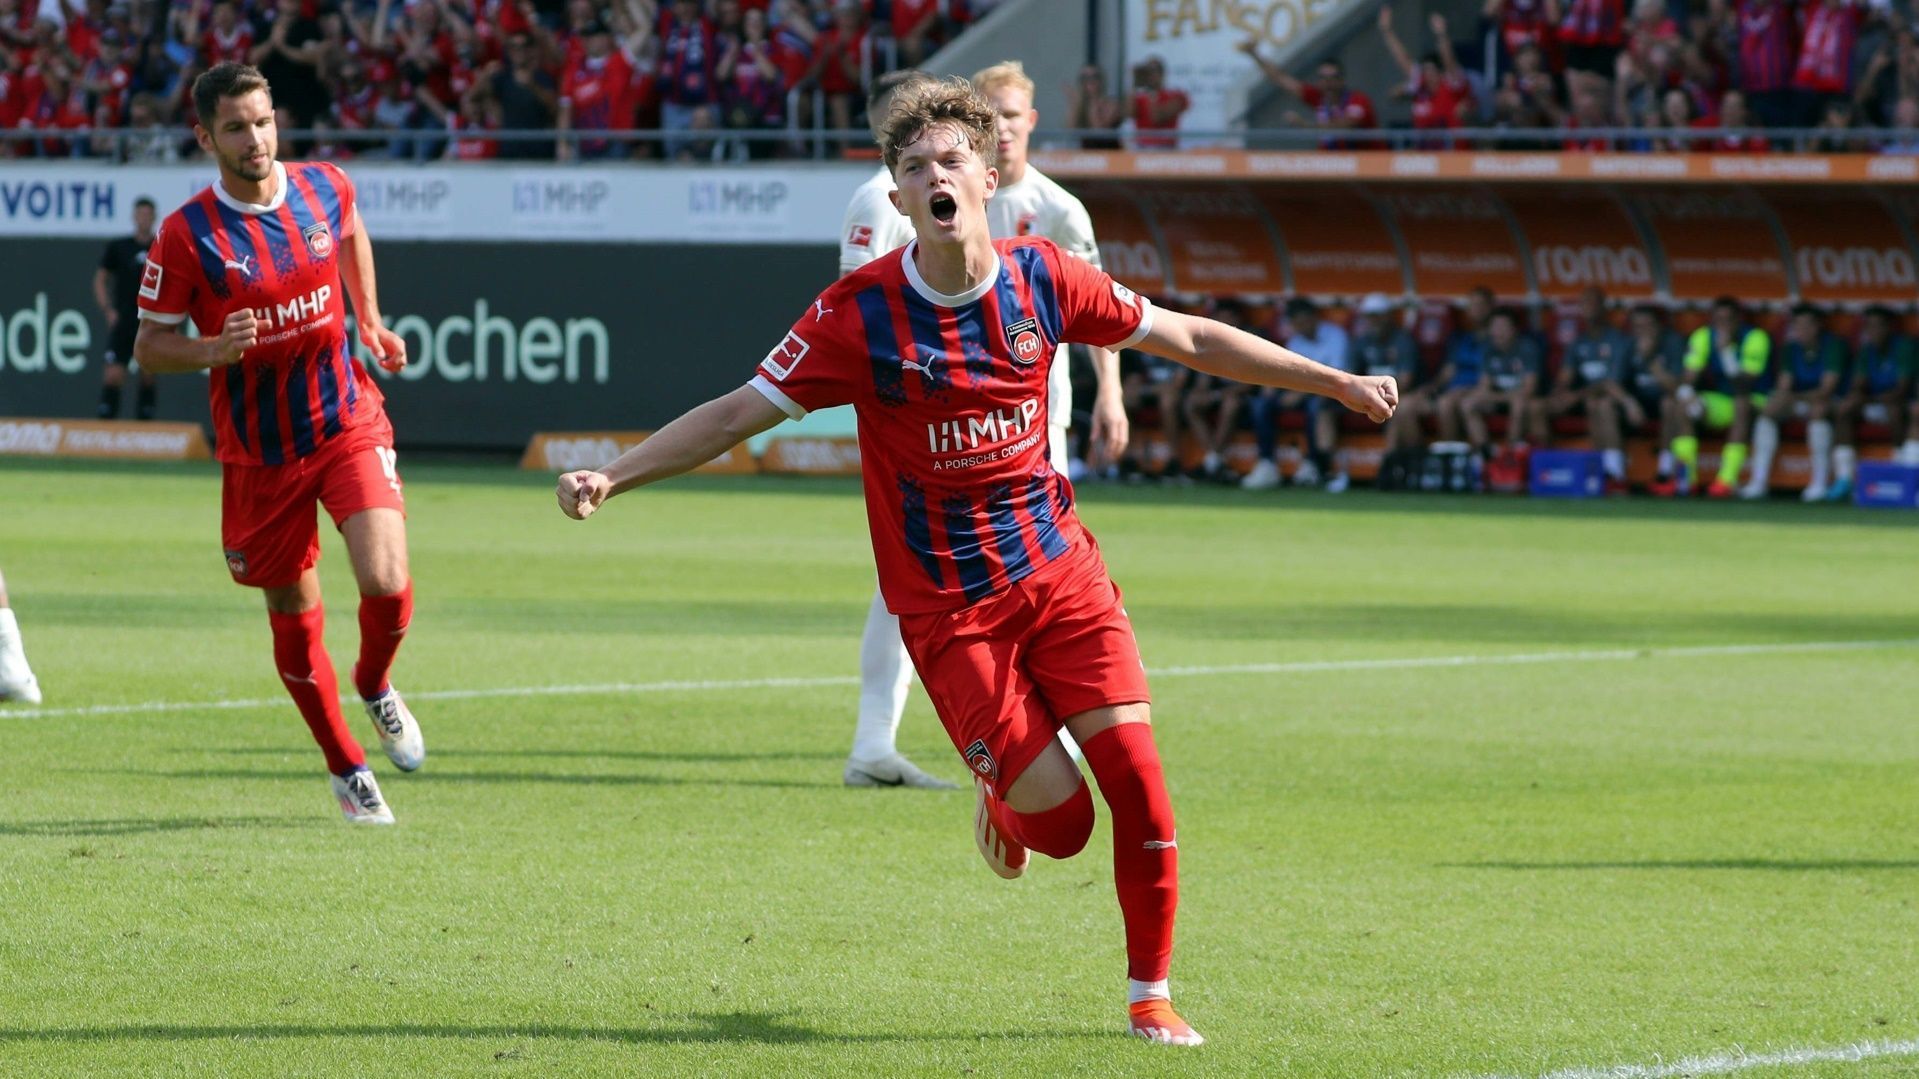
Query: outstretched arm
pixel 681 446
pixel 1218 349
pixel 1275 74
pixel 1393 45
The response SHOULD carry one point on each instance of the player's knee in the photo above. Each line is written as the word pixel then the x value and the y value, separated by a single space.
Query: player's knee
pixel 1064 830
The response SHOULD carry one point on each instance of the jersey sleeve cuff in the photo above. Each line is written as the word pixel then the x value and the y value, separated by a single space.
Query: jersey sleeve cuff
pixel 778 396
pixel 164 318
pixel 1145 326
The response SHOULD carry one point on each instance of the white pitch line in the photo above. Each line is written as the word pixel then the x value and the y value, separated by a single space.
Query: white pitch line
pixel 1737 1060
pixel 1385 663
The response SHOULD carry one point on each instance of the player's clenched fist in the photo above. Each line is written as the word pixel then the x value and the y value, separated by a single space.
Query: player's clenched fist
pixel 388 348
pixel 1374 396
pixel 240 333
pixel 581 493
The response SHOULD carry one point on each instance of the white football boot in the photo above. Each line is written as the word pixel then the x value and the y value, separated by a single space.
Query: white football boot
pixel 360 800
pixel 16 678
pixel 893 770
pixel 399 732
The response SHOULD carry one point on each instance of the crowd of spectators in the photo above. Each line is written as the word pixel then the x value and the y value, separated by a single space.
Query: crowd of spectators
pixel 459 71
pixel 1498 381
pixel 1704 75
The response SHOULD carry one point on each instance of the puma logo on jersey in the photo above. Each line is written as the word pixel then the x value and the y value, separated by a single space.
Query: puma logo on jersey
pixel 820 310
pixel 245 265
pixel 925 368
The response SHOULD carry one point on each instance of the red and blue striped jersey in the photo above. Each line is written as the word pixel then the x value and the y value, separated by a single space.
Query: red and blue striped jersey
pixel 299 385
pixel 951 397
pixel 1766 59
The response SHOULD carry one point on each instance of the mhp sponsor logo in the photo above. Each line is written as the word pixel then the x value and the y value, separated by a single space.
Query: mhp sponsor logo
pixel 414 198
pixel 43 200
pixel 546 198
pixel 763 200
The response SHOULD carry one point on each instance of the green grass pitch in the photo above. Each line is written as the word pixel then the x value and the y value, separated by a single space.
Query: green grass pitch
pixel 1653 847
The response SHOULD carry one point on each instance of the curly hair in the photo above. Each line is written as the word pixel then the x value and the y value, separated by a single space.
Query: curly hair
pixel 951 102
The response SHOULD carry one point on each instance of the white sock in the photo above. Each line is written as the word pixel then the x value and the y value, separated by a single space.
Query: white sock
pixel 1212 461
pixel 1765 443
pixel 886 673
pixel 9 631
pixel 1614 462
pixel 1137 990
pixel 1665 462
pixel 1843 458
pixel 1819 443
pixel 1910 448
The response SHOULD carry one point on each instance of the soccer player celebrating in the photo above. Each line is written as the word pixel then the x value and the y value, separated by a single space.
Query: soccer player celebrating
pixel 944 349
pixel 258 262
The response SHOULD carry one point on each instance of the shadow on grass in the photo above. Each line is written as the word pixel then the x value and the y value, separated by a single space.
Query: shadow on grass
pixel 742 1028
pixel 435 775
pixel 1776 865
pixel 147 825
pixel 544 753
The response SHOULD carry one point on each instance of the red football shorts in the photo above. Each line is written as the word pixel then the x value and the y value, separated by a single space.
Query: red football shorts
pixel 267 520
pixel 1004 672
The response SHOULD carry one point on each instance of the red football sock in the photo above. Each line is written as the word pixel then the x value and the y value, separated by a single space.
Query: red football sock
pixel 1059 832
pixel 1145 861
pixel 383 622
pixel 300 653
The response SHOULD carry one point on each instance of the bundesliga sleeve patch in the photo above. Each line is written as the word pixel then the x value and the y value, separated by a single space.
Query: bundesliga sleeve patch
pixel 150 280
pixel 861 236
pixel 791 350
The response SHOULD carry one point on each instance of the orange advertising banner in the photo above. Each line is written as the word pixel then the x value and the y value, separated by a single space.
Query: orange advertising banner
pixel 1218 240
pixel 1336 243
pixel 1846 246
pixel 1716 244
pixel 1127 247
pixel 1580 238
pixel 1458 240
pixel 150 440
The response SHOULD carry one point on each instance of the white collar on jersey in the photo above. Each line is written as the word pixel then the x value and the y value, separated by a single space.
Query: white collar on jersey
pixel 933 295
pixel 256 208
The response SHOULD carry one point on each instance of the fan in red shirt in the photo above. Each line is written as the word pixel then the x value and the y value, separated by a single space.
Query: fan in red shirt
pixel 61 105
pixel 916 26
pixel 1440 93
pixel 1336 106
pixel 468 127
pixel 263 262
pixel 839 60
pixel 1156 108
pixel 1736 122
pixel 1824 70
pixel 943 348
pixel 595 94
pixel 106 78
pixel 1526 22
pixel 228 40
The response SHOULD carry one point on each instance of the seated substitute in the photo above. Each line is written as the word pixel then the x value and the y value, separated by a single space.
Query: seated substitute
pixel 1508 380
pixel 1212 403
pixel 1383 347
pixel 1878 391
pixel 1724 383
pixel 1592 381
pixel 1317 339
pixel 1813 364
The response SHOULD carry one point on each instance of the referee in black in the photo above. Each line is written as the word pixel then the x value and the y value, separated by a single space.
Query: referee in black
pixel 116 288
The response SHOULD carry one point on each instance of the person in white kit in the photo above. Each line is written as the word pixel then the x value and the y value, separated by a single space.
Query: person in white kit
pixel 1026 203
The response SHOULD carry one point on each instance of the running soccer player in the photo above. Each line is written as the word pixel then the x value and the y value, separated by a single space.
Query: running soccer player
pixel 1815 364
pixel 16 678
pixel 258 261
pixel 1027 203
pixel 1726 364
pixel 944 349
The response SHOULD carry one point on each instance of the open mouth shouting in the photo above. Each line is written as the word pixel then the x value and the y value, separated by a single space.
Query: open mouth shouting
pixel 944 208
